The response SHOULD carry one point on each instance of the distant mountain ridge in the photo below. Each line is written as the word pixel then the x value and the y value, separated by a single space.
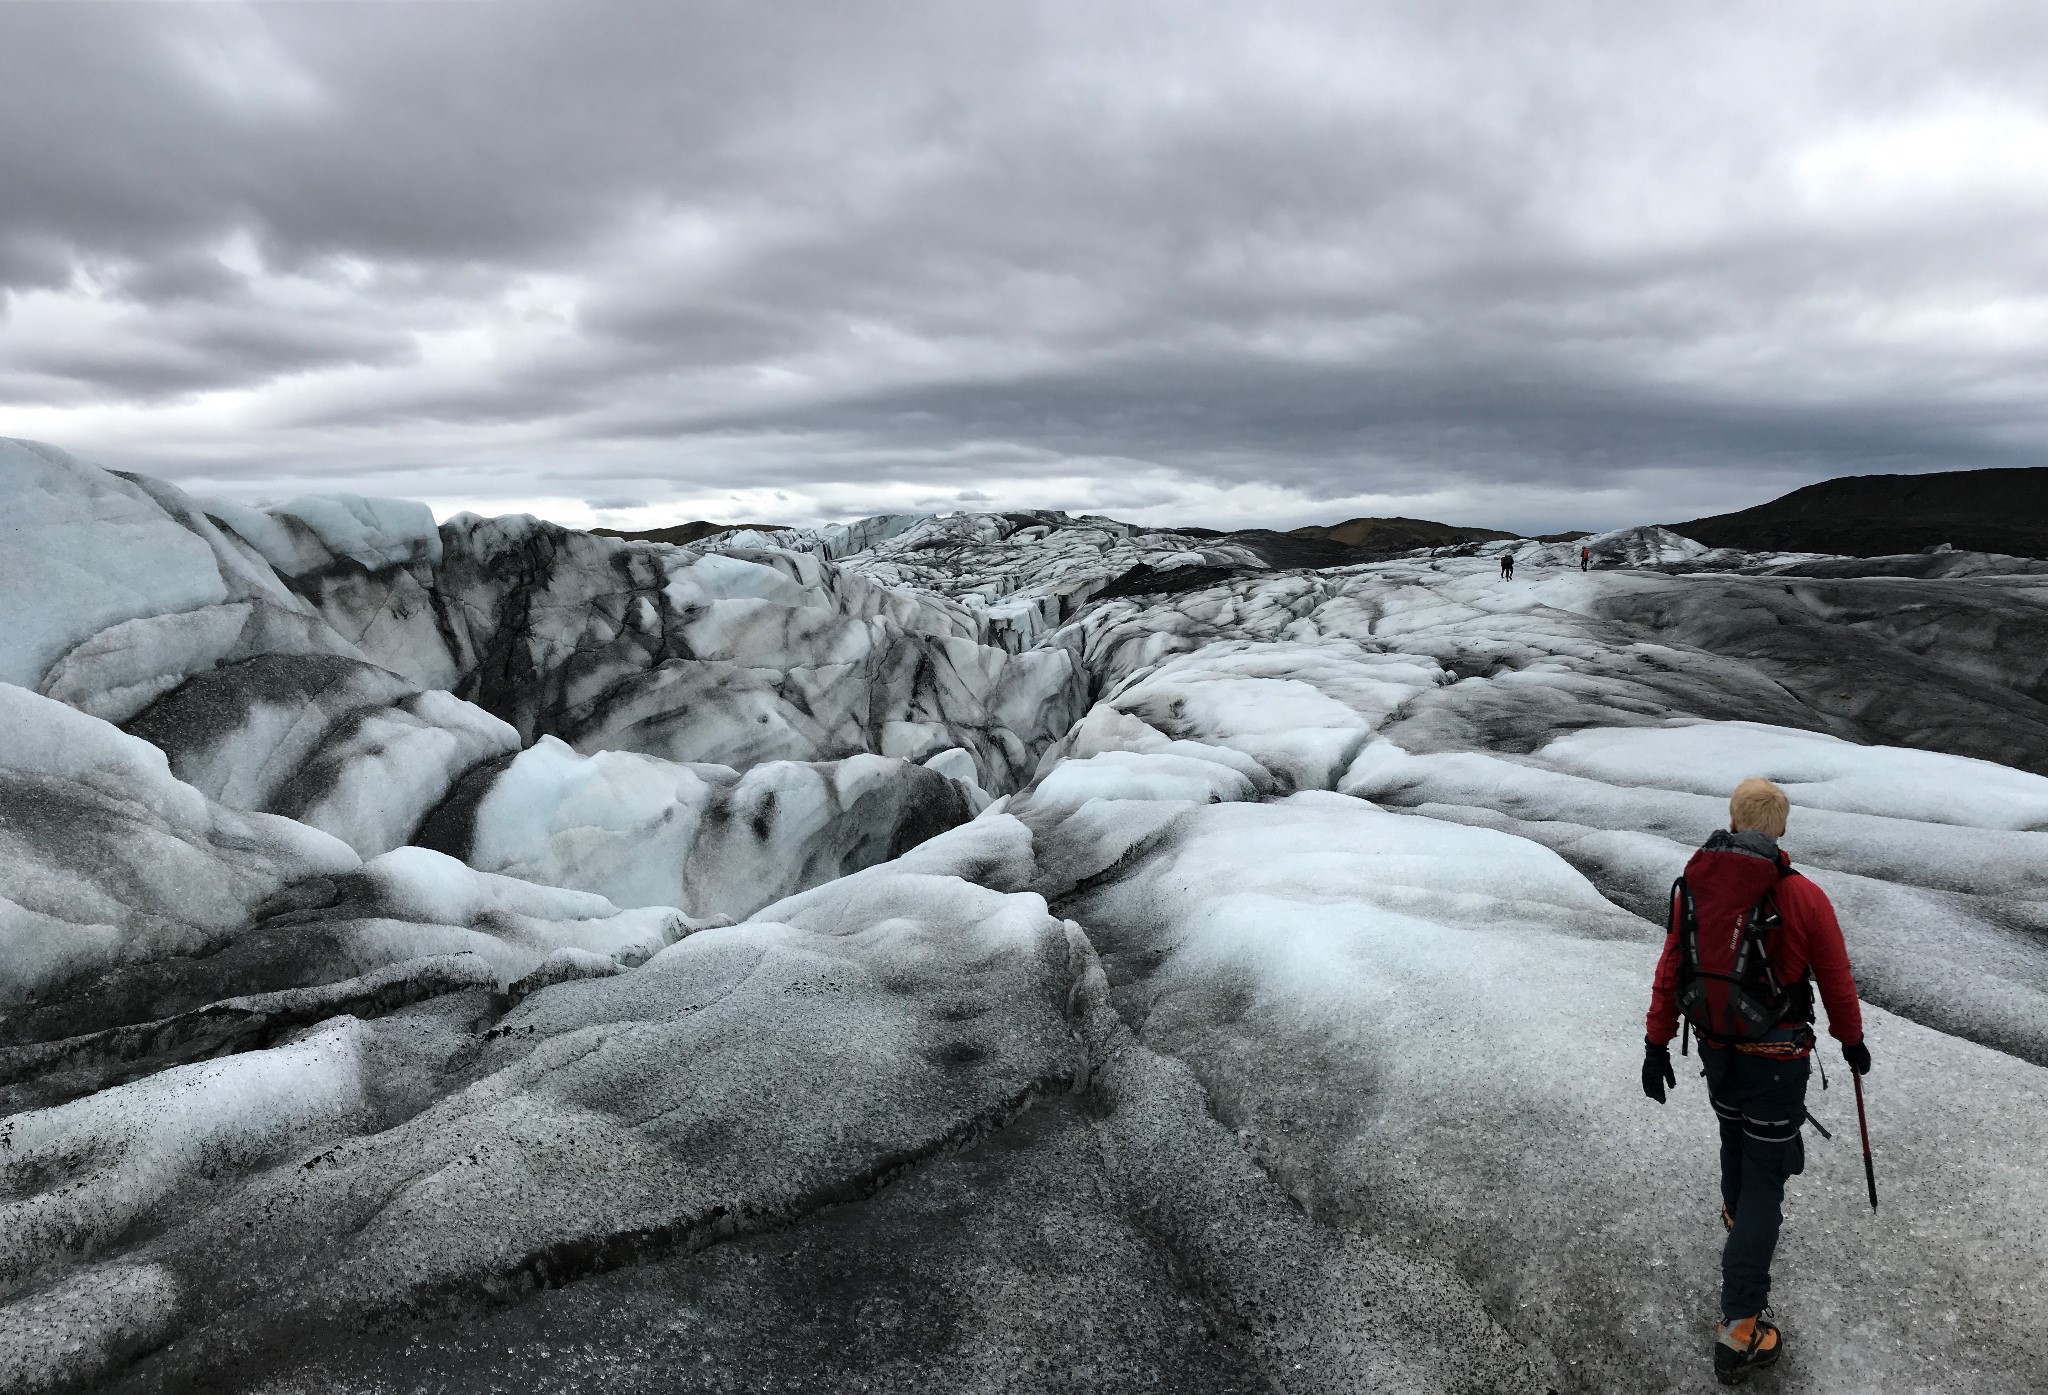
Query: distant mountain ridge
pixel 2002 510
pixel 1398 534
pixel 682 534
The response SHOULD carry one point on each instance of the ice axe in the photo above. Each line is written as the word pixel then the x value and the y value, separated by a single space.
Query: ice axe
pixel 1863 1122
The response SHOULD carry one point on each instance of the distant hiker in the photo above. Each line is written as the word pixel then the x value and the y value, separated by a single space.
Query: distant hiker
pixel 1507 566
pixel 1748 939
pixel 1585 558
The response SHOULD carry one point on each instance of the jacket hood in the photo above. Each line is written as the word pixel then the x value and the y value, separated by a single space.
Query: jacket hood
pixel 1748 841
pixel 1741 866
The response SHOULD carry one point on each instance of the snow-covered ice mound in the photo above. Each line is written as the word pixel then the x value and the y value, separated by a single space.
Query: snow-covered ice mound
pixel 1010 952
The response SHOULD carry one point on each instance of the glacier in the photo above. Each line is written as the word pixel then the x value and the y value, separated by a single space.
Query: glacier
pixel 1015 952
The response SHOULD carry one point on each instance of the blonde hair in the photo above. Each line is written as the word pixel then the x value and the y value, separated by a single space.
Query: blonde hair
pixel 1758 805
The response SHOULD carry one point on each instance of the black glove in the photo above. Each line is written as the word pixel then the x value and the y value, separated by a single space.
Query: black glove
pixel 1657 1070
pixel 1857 1055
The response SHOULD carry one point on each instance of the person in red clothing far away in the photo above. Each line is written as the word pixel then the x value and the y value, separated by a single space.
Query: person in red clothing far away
pixel 1585 558
pixel 1749 940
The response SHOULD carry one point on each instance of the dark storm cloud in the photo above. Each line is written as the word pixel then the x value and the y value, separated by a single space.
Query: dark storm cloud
pixel 209 349
pixel 1332 433
pixel 1334 250
pixel 1313 422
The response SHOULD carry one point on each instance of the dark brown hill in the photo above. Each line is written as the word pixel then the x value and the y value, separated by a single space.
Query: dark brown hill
pixel 1883 515
pixel 1398 534
pixel 682 534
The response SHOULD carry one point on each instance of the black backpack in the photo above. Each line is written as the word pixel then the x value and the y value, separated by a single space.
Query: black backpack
pixel 1756 1001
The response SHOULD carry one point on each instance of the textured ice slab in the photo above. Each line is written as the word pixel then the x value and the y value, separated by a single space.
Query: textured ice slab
pixel 738 1081
pixel 82 549
pixel 648 832
pixel 119 587
pixel 338 744
pixel 141 921
pixel 314 530
pixel 1944 664
pixel 109 863
pixel 1296 712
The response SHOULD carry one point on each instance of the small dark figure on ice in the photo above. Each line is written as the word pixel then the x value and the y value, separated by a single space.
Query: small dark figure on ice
pixel 1507 566
pixel 1585 558
pixel 1749 940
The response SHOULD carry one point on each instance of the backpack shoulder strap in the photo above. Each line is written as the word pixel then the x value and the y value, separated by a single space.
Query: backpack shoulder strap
pixel 1785 874
pixel 1761 919
pixel 1685 921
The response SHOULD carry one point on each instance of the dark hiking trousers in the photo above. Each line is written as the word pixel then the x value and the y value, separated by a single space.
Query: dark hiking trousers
pixel 1761 1103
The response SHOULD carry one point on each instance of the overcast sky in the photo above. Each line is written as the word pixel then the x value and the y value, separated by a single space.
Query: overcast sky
pixel 1529 264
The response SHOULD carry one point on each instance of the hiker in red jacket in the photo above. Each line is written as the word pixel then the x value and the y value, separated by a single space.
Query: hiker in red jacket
pixel 1749 937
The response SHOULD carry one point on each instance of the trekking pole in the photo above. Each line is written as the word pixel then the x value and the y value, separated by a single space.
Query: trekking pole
pixel 1863 1122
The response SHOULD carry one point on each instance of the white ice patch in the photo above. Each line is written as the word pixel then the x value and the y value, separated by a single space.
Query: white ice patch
pixel 82 549
pixel 119 671
pixel 613 819
pixel 424 885
pixel 648 832
pixel 1107 729
pixel 919 741
pixel 776 633
pixel 265 533
pixel 47 738
pixel 376 533
pixel 394 765
pixel 513 923
pixel 957 763
pixel 1637 547
pixel 78 1175
pixel 1131 775
pixel 1816 770
pixel 1301 711
pixel 712 577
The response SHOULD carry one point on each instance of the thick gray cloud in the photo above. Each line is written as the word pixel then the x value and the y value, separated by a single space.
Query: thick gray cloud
pixel 1529 264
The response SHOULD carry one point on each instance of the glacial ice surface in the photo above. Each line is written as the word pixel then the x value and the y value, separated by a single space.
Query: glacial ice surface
pixel 1001 952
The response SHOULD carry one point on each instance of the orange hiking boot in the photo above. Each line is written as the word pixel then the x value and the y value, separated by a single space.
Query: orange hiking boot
pixel 1745 1345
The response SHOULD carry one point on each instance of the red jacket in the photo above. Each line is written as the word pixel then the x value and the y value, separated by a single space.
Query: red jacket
pixel 1725 884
